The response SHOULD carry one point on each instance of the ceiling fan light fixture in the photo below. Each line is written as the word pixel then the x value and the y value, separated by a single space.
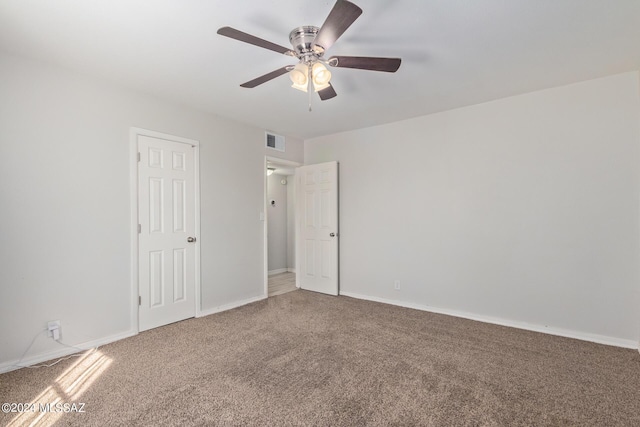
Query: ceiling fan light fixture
pixel 299 74
pixel 320 75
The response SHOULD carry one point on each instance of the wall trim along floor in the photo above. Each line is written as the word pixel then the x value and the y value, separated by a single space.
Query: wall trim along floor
pixel 64 351
pixel 600 339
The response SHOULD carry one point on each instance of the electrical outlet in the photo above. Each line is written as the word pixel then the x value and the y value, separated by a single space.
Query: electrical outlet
pixel 396 285
pixel 54 329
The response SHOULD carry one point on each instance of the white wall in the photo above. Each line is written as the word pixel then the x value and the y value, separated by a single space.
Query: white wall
pixel 523 211
pixel 65 209
pixel 277 223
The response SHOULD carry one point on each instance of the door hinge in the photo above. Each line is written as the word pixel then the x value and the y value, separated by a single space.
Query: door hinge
pixel 138 156
pixel 139 300
pixel 139 228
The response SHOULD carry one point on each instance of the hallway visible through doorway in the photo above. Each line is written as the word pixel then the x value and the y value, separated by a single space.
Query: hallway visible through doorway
pixel 280 226
pixel 282 283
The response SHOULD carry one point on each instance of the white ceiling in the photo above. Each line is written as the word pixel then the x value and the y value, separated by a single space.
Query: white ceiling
pixel 454 52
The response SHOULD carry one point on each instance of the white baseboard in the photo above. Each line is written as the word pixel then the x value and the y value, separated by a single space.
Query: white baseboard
pixel 230 306
pixel 600 339
pixel 291 270
pixel 278 271
pixel 63 352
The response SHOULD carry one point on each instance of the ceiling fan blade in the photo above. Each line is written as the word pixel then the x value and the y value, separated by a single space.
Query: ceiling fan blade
pixel 340 18
pixel 389 65
pixel 263 79
pixel 248 38
pixel 327 93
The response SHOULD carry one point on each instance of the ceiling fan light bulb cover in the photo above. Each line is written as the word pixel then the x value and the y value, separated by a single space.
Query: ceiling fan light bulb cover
pixel 321 76
pixel 299 75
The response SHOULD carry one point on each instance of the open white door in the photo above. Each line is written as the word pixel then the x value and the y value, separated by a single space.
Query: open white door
pixel 167 226
pixel 317 236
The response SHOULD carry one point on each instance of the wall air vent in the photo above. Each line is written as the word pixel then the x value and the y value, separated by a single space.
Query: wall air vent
pixel 274 141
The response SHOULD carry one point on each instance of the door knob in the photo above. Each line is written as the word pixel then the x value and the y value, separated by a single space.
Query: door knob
pixel 332 234
pixel 191 239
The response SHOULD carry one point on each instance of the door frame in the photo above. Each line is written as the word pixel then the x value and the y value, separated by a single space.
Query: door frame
pixel 134 132
pixel 265 216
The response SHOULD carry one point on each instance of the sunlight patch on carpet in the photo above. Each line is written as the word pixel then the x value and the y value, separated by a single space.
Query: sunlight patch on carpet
pixel 62 396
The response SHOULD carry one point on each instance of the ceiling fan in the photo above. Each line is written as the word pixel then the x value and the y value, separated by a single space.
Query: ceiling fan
pixel 309 45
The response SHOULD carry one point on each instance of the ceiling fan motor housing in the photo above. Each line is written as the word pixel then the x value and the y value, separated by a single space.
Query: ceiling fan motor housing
pixel 302 39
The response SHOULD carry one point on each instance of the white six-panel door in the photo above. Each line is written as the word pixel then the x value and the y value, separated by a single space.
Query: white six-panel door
pixel 166 244
pixel 317 214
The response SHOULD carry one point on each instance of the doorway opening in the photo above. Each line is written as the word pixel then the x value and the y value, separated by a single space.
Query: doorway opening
pixel 280 198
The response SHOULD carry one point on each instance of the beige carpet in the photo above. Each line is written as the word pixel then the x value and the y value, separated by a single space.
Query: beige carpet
pixel 308 359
